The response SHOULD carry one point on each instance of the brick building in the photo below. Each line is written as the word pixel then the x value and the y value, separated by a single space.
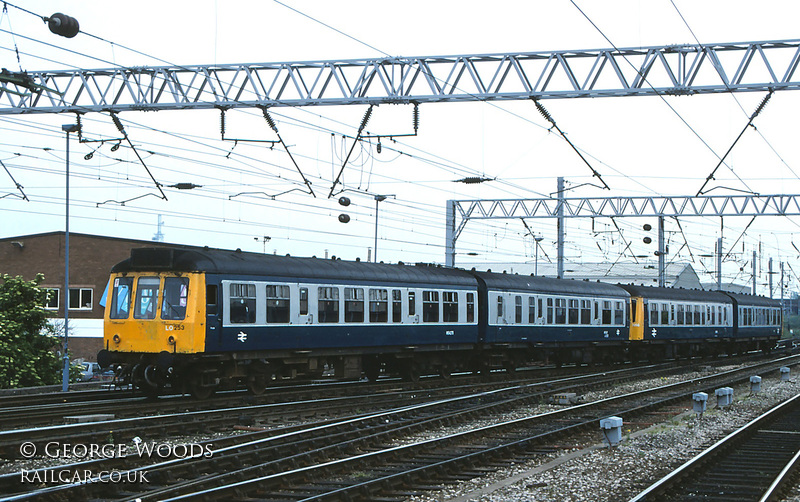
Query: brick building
pixel 90 260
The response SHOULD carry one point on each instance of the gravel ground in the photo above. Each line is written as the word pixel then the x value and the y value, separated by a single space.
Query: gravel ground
pixel 587 470
pixel 593 472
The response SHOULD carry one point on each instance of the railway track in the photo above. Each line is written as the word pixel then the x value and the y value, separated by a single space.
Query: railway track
pixel 754 463
pixel 28 411
pixel 360 457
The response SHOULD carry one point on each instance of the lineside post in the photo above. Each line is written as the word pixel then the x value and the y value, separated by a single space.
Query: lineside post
pixel 450 234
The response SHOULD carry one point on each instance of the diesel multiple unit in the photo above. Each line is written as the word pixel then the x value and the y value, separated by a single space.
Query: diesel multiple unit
pixel 203 319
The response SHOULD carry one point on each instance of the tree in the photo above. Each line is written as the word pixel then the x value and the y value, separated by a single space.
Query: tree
pixel 27 344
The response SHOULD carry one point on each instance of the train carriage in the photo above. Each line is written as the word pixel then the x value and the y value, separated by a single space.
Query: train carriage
pixel 757 319
pixel 204 315
pixel 560 320
pixel 684 323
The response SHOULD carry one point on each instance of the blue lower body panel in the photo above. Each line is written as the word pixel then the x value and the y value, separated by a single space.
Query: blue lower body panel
pixel 310 337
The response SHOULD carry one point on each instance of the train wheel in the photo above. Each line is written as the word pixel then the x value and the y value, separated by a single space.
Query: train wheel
pixel 257 384
pixel 411 372
pixel 200 391
pixel 202 384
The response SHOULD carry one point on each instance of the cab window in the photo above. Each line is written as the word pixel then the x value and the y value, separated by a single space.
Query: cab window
pixel 146 298
pixel 120 298
pixel 176 291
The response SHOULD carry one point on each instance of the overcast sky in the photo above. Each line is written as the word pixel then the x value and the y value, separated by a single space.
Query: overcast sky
pixel 638 144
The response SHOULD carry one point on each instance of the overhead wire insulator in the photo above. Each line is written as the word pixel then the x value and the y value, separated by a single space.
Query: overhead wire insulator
pixel 762 104
pixel 118 123
pixel 416 117
pixel 269 120
pixel 63 25
pixel 544 112
pixel 222 123
pixel 364 121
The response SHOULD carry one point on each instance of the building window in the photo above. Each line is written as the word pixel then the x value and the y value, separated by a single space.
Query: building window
pixel 450 306
pixel 353 305
pixel 378 305
pixel 278 304
pixel 53 298
pixel 176 292
pixel 328 304
pixel 243 303
pixel 80 298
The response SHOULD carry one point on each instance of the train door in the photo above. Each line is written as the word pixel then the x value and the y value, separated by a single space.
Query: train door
pixel 637 318
pixel 213 314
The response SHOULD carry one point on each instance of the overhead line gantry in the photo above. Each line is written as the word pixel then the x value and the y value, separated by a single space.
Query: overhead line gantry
pixel 637 71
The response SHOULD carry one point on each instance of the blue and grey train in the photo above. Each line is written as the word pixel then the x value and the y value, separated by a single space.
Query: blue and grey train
pixel 203 319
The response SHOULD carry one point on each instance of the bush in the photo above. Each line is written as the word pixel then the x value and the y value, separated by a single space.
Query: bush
pixel 27 344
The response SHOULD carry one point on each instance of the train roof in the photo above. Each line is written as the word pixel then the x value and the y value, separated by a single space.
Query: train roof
pixel 550 285
pixel 677 294
pixel 218 261
pixel 757 301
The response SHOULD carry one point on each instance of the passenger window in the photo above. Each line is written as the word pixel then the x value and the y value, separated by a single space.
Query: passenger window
pixel 470 307
pixel 619 313
pixel 586 312
pixel 328 303
pixel 278 304
pixel 531 310
pixel 353 305
pixel 243 303
pixel 303 301
pixel 549 311
pixel 146 298
pixel 653 314
pixel 430 306
pixel 573 312
pixel 120 298
pixel 397 305
pixel 176 292
pixel 450 306
pixel 518 309
pixel 606 318
pixel 378 305
pixel 561 311
pixel 412 303
pixel 499 306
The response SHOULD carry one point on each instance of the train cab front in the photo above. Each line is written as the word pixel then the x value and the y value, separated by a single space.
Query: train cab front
pixel 153 321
